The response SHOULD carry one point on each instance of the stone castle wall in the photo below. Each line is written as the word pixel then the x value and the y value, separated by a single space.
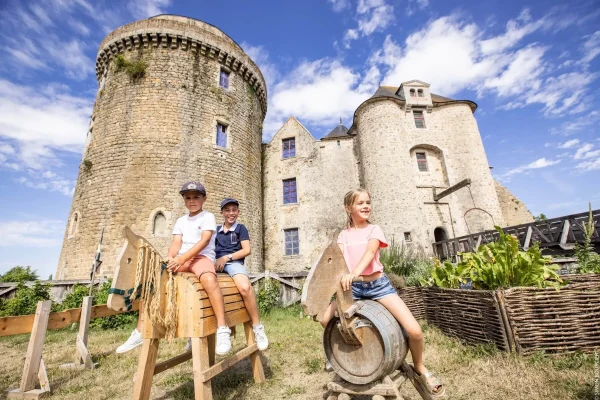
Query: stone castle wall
pixel 515 212
pixel 324 170
pixel 149 135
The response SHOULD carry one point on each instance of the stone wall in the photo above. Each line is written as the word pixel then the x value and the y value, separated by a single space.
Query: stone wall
pixel 515 212
pixel 324 170
pixel 151 134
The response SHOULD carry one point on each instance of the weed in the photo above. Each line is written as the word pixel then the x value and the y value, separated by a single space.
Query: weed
pixel 572 361
pixel 135 69
pixel 268 296
pixel 588 260
pixel 87 165
pixel 312 365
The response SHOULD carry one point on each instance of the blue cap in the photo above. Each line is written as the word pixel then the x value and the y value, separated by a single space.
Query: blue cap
pixel 229 200
pixel 192 186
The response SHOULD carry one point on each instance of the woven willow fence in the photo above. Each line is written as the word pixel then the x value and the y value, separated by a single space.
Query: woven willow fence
pixel 522 319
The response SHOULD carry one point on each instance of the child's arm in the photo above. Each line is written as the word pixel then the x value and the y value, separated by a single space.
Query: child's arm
pixel 195 250
pixel 175 246
pixel 364 262
pixel 242 253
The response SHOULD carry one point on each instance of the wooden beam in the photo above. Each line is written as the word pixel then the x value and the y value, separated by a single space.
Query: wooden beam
pixel 171 362
pixel 216 369
pixel 452 189
pixel 36 344
pixel 285 282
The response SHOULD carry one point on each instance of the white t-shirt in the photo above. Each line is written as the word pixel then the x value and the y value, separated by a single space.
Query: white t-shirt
pixel 191 229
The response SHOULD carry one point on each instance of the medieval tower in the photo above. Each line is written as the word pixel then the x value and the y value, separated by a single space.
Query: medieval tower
pixel 178 100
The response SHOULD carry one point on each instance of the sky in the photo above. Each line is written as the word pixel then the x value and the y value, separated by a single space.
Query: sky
pixel 531 66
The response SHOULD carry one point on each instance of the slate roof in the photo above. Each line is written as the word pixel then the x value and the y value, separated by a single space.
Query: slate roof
pixel 337 132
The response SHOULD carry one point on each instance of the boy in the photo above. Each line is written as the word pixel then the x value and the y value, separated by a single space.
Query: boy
pixel 232 245
pixel 193 249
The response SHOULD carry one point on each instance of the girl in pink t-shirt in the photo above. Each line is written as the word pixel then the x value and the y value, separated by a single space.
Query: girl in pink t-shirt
pixel 360 243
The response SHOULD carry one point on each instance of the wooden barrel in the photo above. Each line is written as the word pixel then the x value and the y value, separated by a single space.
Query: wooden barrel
pixel 383 350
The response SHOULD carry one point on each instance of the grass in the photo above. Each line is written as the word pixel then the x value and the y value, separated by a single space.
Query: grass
pixel 294 367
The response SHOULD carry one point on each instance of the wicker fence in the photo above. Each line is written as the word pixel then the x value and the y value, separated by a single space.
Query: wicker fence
pixel 524 320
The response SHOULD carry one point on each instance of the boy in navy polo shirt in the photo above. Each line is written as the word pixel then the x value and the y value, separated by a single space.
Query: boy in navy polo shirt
pixel 232 245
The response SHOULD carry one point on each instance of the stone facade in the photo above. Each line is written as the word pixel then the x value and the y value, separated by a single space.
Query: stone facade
pixel 150 134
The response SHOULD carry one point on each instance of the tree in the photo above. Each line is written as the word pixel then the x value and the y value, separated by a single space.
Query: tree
pixel 19 274
pixel 541 217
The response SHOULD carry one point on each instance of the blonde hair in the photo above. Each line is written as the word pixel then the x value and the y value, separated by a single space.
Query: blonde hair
pixel 349 200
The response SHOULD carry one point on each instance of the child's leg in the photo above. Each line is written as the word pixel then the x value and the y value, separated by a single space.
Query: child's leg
pixel 211 285
pixel 396 306
pixel 329 313
pixel 247 291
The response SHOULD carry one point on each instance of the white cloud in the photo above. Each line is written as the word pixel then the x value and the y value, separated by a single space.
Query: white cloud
pixel 79 27
pixel 537 164
pixel 147 8
pixel 71 57
pixel 589 165
pixel 568 144
pixel 372 16
pixel 339 5
pixel 586 151
pixel 39 233
pixel 319 93
pixel 416 5
pixel 577 124
pixel 260 56
pixel 41 121
pixel 591 47
pixel 522 73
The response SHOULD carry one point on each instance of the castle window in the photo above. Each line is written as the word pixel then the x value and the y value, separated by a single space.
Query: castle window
pixel 407 237
pixel 292 247
pixel 224 78
pixel 419 119
pixel 288 147
pixel 290 194
pixel 73 225
pixel 422 162
pixel 420 93
pixel 221 135
pixel 159 227
pixel 412 93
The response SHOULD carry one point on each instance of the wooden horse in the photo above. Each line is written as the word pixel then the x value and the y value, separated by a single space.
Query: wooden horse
pixel 364 343
pixel 195 319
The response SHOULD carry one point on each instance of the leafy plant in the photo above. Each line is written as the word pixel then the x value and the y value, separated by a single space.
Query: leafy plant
pixel 87 165
pixel 588 260
pixel 25 300
pixel 268 296
pixel 135 69
pixel 19 274
pixel 412 265
pixel 118 321
pixel 498 265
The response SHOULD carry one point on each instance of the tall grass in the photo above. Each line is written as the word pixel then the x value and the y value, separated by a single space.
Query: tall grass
pixel 407 262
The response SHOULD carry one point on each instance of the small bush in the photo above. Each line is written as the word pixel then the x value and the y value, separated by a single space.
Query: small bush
pixel 135 69
pixel 118 321
pixel 25 300
pixel 588 260
pixel 87 165
pixel 19 274
pixel 411 265
pixel 268 296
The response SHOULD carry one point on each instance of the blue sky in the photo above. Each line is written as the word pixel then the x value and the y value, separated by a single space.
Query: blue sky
pixel 532 67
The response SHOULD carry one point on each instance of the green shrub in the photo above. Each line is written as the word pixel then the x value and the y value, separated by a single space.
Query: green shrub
pixel 19 274
pixel 588 260
pixel 268 296
pixel 118 321
pixel 498 265
pixel 401 260
pixel 75 298
pixel 135 69
pixel 25 300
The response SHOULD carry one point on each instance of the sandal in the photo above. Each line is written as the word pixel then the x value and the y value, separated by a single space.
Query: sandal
pixel 431 385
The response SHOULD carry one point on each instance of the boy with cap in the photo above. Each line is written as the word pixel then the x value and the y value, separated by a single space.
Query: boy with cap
pixel 193 250
pixel 232 246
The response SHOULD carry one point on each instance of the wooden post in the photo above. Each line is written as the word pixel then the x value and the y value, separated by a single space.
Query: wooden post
pixel 34 366
pixel 200 363
pixel 212 343
pixel 83 358
pixel 257 368
pixel 145 372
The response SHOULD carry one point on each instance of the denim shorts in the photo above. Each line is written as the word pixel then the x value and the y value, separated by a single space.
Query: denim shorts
pixel 375 290
pixel 234 268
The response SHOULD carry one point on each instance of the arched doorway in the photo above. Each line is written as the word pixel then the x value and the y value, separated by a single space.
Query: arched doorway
pixel 440 234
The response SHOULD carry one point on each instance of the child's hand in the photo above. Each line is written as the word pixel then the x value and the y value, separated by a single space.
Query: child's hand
pixel 220 263
pixel 174 263
pixel 347 281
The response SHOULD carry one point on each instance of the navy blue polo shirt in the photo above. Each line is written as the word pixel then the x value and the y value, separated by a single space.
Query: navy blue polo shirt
pixel 231 241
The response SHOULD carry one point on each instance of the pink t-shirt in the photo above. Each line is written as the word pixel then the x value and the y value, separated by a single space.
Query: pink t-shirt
pixel 355 243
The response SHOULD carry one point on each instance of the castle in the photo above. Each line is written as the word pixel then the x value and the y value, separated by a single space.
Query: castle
pixel 196 111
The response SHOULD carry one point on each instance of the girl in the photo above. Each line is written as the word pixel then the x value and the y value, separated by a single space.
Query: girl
pixel 360 243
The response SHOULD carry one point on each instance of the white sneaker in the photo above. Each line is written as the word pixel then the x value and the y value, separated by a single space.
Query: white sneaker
pixel 134 341
pixel 261 337
pixel 188 345
pixel 328 366
pixel 223 340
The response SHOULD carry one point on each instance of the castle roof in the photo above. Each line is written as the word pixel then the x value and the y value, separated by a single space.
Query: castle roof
pixel 390 91
pixel 338 132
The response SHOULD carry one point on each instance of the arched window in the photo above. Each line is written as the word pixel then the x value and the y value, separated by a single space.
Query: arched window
pixel 74 224
pixel 159 226
pixel 420 92
pixel 412 93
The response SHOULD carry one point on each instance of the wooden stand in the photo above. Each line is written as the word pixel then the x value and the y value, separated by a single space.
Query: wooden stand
pixel 83 360
pixel 388 387
pixel 34 365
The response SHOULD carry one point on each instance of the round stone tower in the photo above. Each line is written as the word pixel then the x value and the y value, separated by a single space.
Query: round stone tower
pixel 178 100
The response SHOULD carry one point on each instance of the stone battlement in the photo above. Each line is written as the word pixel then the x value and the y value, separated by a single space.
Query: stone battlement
pixel 186 34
